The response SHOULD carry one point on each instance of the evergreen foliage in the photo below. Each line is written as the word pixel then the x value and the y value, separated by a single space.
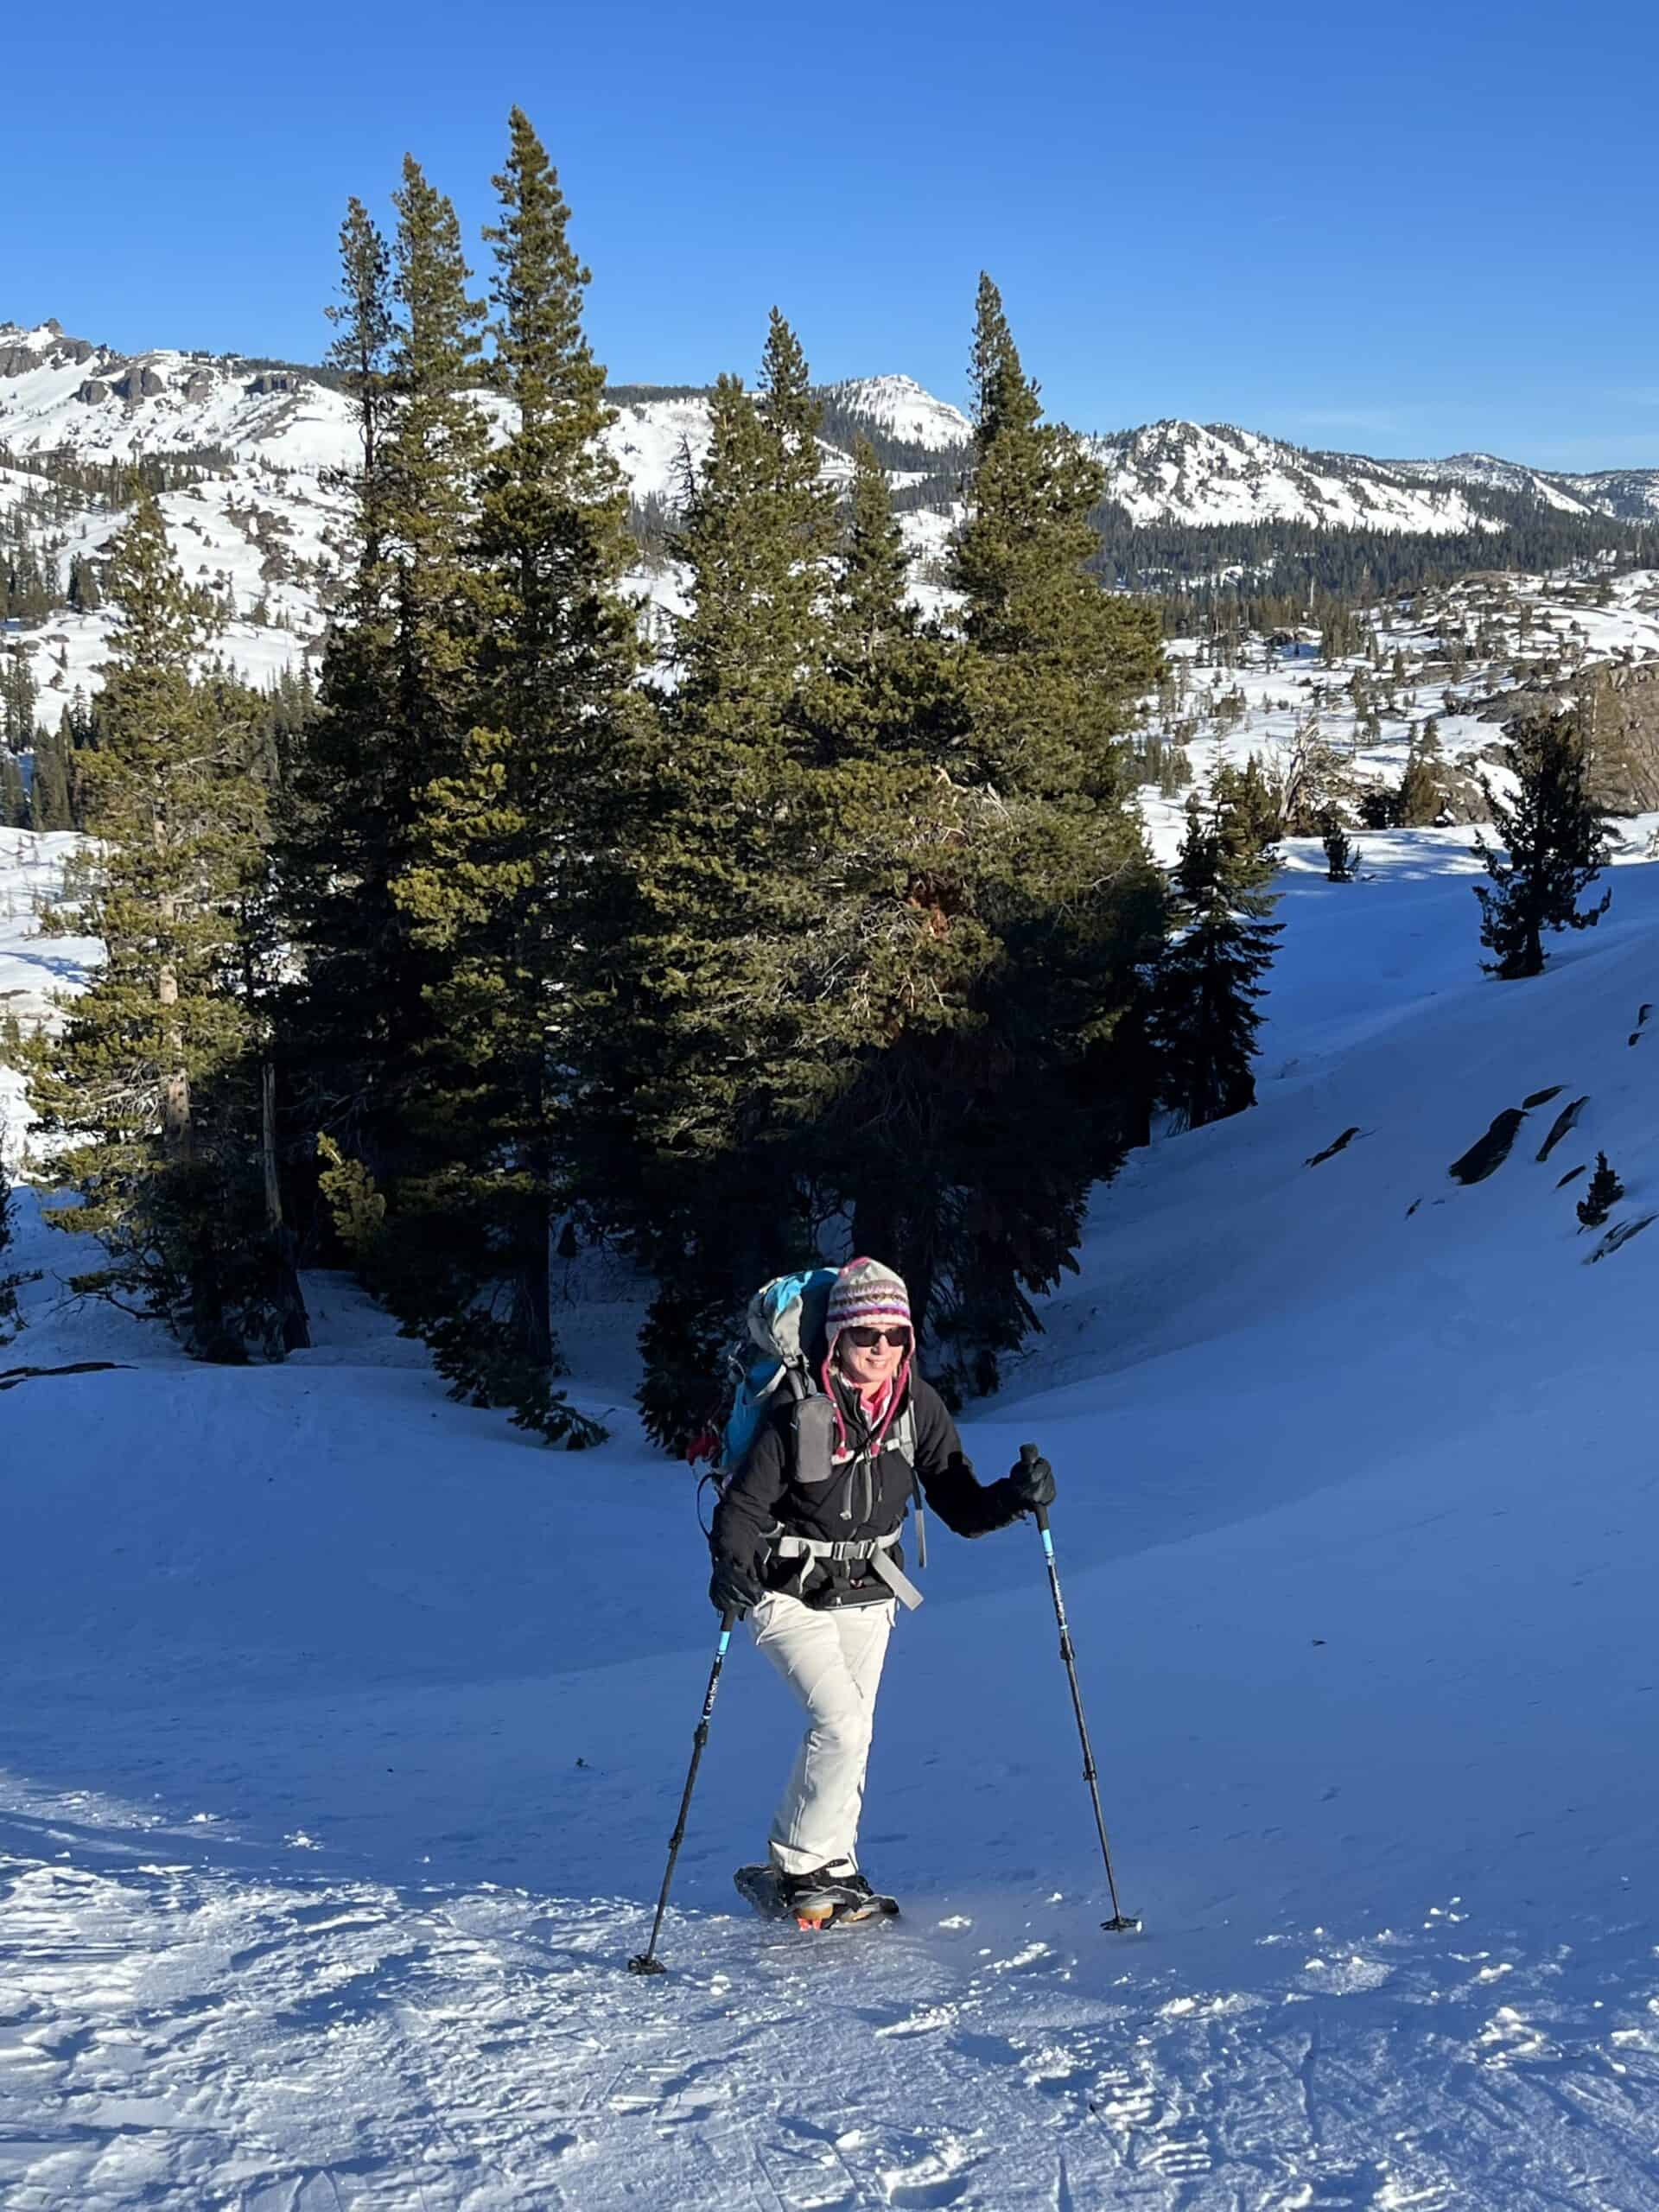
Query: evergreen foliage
pixel 11 1314
pixel 1204 1016
pixel 153 1086
pixel 1341 854
pixel 51 800
pixel 886 898
pixel 687 1041
pixel 1602 1195
pixel 498 864
pixel 1551 846
pixel 396 696
pixel 14 795
pixel 1422 792
pixel 1253 802
pixel 993 1050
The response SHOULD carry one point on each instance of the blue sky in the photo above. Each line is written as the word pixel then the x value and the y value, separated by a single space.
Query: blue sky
pixel 1411 230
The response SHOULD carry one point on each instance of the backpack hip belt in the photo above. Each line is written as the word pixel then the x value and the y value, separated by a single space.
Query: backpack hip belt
pixel 874 1549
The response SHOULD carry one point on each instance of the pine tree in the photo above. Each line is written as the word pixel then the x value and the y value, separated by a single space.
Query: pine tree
pixel 1252 803
pixel 890 698
pixel 85 595
pixel 396 698
pixel 1341 854
pixel 502 848
pixel 1602 1195
pixel 14 795
pixel 1554 847
pixel 688 1034
pixel 150 1085
pixel 1422 797
pixel 51 805
pixel 873 613
pixel 19 697
pixel 1203 1015
pixel 995 1079
pixel 1056 660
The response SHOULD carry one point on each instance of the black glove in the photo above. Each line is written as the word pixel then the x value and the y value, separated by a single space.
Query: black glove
pixel 733 1588
pixel 1032 1482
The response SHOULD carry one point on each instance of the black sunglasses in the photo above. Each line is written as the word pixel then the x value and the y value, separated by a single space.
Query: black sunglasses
pixel 867 1340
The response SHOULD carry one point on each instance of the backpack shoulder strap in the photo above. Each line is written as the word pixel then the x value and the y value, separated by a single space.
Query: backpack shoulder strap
pixel 814 1426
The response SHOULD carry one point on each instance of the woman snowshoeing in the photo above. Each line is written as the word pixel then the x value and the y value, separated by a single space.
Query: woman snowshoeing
pixel 805 1541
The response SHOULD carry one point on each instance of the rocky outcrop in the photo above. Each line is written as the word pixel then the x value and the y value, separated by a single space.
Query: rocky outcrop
pixel 1567 1119
pixel 198 384
pixel 1488 1153
pixel 93 391
pixel 1619 701
pixel 270 380
pixel 1462 800
pixel 138 384
pixel 17 361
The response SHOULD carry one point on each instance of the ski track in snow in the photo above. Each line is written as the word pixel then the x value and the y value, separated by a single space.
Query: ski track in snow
pixel 174 2036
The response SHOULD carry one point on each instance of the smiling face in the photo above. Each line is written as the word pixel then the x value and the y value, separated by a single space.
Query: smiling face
pixel 870 1367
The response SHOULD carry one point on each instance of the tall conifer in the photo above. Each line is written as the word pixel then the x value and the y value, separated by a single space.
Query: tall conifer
pixel 1204 1016
pixel 1553 846
pixel 690 1030
pixel 502 849
pixel 398 691
pixel 152 1084
pixel 987 1098
pixel 1055 661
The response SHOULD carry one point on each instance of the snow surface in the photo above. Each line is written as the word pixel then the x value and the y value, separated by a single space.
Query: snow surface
pixel 1214 474
pixel 346 1728
pixel 905 409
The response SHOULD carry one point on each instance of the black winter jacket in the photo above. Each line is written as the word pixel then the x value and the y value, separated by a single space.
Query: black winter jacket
pixel 860 1499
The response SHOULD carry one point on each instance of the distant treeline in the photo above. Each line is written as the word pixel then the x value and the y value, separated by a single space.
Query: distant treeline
pixel 1203 571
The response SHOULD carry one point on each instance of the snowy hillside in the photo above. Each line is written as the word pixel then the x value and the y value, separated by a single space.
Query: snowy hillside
pixel 904 410
pixel 1485 469
pixel 59 394
pixel 1186 472
pixel 346 1728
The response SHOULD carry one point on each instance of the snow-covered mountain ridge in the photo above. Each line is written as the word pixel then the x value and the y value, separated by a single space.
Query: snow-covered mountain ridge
pixel 61 394
pixel 262 524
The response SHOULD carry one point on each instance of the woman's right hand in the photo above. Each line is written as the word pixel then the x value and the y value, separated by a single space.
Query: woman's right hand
pixel 733 1588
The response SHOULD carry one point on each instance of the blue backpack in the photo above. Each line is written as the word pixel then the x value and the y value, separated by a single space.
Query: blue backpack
pixel 786 1318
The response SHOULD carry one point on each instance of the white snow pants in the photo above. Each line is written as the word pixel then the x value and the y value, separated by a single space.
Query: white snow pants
pixel 832 1661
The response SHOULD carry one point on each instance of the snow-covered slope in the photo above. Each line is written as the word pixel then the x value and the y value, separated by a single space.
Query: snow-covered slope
pixel 1485 469
pixel 1215 474
pixel 345 1729
pixel 904 410
pixel 1632 494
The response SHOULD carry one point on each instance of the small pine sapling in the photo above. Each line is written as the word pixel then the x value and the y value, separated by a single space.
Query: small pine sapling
pixel 1341 854
pixel 1604 1194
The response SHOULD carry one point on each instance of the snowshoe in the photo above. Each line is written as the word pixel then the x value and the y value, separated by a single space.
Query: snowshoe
pixel 813 1901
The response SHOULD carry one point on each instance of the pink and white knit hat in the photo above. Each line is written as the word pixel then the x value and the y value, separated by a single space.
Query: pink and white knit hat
pixel 863 1294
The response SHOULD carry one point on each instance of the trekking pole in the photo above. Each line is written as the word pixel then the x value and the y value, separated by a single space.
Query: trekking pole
pixel 647 1961
pixel 1121 1923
